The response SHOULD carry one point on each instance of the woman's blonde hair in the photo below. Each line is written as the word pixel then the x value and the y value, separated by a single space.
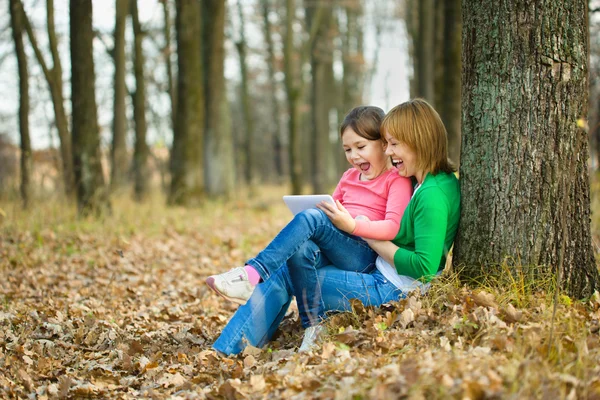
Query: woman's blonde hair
pixel 416 124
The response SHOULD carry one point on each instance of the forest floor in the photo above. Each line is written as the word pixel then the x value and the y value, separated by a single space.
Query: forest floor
pixel 117 308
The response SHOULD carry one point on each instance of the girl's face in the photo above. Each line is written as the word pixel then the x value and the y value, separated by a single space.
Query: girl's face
pixel 367 156
pixel 403 158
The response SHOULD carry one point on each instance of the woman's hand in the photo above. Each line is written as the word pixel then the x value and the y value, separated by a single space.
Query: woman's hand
pixel 338 215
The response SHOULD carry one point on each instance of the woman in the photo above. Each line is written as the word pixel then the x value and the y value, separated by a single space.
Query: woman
pixel 417 145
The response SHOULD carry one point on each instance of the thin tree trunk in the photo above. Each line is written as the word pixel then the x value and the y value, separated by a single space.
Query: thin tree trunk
pixel 277 129
pixel 353 57
pixel 321 65
pixel 425 51
pixel 524 176
pixel 118 154
pixel 187 175
pixel 140 155
pixel 246 101
pixel 168 50
pixel 294 85
pixel 55 85
pixel 219 160
pixel 89 180
pixel 449 104
pixel 16 20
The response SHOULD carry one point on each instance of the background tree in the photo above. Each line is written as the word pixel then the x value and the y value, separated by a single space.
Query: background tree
pixel 425 51
pixel 140 152
pixel 524 177
pixel 276 127
pixel 219 160
pixel 17 24
pixel 118 155
pixel 54 79
pixel 449 100
pixel 323 89
pixel 248 126
pixel 89 180
pixel 294 60
pixel 187 174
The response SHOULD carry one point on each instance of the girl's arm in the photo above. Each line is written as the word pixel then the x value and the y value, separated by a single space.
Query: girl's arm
pixel 399 195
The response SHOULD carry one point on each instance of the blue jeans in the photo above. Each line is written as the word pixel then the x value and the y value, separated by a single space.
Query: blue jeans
pixel 341 249
pixel 256 321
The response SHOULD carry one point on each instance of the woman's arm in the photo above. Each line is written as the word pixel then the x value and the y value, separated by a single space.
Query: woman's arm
pixel 384 248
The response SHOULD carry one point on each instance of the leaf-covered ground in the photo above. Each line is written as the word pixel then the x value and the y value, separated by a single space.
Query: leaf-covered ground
pixel 117 308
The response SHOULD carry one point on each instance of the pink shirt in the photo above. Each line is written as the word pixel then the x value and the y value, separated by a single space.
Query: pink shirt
pixel 382 200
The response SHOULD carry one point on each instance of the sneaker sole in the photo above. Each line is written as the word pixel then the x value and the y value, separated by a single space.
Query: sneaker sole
pixel 210 282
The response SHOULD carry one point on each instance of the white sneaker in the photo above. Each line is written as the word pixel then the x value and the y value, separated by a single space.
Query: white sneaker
pixel 232 285
pixel 311 335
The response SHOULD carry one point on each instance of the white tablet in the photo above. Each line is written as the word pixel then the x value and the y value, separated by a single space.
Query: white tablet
pixel 302 202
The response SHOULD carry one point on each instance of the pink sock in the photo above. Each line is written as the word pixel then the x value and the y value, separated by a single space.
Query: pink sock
pixel 253 276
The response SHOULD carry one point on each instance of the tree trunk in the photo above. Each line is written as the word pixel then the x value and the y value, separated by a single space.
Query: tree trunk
pixel 171 89
pixel 89 180
pixel 294 87
pixel 187 174
pixel 219 165
pixel 291 75
pixel 450 100
pixel 322 68
pixel 277 131
pixel 118 155
pixel 353 57
pixel 246 102
pixel 55 85
pixel 524 177
pixel 16 21
pixel 140 155
pixel 425 51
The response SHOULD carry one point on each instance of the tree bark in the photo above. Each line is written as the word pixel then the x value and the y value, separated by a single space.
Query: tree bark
pixel 118 155
pixel 187 174
pixel 17 23
pixel 246 102
pixel 219 159
pixel 55 85
pixel 89 180
pixel 524 177
pixel 140 154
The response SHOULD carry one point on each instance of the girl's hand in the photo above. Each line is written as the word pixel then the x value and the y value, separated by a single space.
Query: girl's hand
pixel 338 215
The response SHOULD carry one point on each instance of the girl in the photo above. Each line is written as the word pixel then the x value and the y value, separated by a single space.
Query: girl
pixel 371 188
pixel 418 146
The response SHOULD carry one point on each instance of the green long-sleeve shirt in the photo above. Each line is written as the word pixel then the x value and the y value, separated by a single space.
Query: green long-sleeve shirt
pixel 428 227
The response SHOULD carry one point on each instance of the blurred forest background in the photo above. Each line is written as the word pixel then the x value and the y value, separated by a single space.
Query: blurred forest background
pixel 201 98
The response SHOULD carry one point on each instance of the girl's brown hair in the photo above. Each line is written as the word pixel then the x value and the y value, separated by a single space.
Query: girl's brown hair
pixel 416 124
pixel 365 121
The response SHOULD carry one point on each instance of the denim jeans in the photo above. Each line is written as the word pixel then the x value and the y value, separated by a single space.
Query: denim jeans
pixel 256 321
pixel 341 249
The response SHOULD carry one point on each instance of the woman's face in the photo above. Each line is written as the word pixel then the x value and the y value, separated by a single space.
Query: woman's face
pixel 403 157
pixel 367 156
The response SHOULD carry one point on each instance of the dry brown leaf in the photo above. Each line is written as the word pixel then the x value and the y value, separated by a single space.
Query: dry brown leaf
pixel 484 299
pixel 406 317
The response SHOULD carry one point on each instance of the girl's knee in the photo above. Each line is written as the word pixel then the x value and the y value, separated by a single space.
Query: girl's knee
pixel 313 215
